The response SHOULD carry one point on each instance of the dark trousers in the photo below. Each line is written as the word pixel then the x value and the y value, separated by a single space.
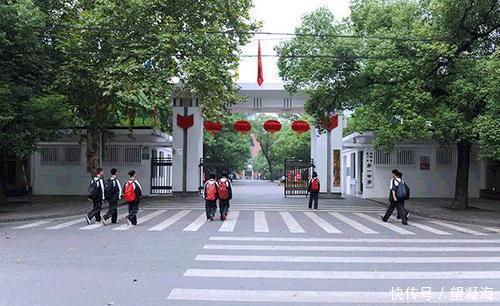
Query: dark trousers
pixel 223 207
pixel 112 211
pixel 210 208
pixel 400 206
pixel 96 211
pixel 133 209
pixel 313 196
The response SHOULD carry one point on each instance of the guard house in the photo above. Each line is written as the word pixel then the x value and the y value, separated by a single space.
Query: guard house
pixel 428 166
pixel 59 167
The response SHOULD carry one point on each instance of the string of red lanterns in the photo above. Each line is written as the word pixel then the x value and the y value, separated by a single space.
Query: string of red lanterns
pixel 271 126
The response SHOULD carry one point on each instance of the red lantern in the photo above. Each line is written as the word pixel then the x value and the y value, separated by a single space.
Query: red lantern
pixel 242 126
pixel 300 126
pixel 212 127
pixel 272 126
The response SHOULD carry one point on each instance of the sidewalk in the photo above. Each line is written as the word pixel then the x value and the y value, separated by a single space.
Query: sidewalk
pixel 481 212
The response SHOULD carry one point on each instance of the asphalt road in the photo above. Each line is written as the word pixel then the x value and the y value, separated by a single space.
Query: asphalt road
pixel 271 251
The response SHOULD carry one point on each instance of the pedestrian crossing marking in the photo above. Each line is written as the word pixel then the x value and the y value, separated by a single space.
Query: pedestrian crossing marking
pixel 324 297
pixel 309 274
pixel 347 259
pixel 392 227
pixel 351 240
pixel 141 220
pixel 260 222
pixel 291 223
pixel 66 224
pixel 327 227
pixel 230 223
pixel 312 248
pixel 492 229
pixel 360 227
pixel 169 221
pixel 429 229
pixel 31 225
pixel 457 228
pixel 197 224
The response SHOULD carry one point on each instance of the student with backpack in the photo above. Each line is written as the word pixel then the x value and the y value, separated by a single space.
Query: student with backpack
pixel 225 194
pixel 132 192
pixel 313 188
pixel 210 194
pixel 398 193
pixel 112 193
pixel 95 193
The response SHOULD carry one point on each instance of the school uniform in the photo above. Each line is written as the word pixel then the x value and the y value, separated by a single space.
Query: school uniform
pixel 398 204
pixel 133 206
pixel 313 194
pixel 97 200
pixel 210 199
pixel 224 203
pixel 113 200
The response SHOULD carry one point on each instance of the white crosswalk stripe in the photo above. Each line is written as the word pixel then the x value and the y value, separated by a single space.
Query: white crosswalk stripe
pixel 66 224
pixel 429 229
pixel 260 222
pixel 353 240
pixel 291 223
pixel 360 227
pixel 390 226
pixel 163 225
pixel 457 228
pixel 197 224
pixel 492 229
pixel 141 220
pixel 31 225
pixel 327 227
pixel 230 223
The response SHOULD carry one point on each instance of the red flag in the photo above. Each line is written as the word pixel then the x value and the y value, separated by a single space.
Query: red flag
pixel 260 74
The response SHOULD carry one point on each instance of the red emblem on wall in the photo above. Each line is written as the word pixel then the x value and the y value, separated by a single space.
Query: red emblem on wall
pixel 185 122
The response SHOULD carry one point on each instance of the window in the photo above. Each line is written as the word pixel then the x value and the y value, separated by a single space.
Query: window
pixel 60 155
pixel 122 154
pixel 445 156
pixel 382 157
pixel 405 157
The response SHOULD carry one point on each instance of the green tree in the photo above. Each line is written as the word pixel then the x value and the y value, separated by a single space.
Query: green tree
pixel 122 57
pixel 31 110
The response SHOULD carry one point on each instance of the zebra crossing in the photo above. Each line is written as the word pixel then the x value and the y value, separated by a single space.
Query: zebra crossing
pixel 241 269
pixel 265 222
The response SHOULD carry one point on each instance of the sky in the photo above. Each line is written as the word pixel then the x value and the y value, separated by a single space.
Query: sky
pixel 279 16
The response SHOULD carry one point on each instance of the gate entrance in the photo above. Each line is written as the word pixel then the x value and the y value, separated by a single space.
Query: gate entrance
pixel 161 175
pixel 297 175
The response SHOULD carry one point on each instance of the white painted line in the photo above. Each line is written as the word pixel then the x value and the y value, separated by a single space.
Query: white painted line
pixel 324 297
pixel 308 274
pixel 352 240
pixel 327 227
pixel 308 248
pixel 492 229
pixel 360 227
pixel 328 259
pixel 31 225
pixel 428 228
pixel 260 222
pixel 66 224
pixel 457 228
pixel 390 226
pixel 291 223
pixel 141 220
pixel 169 221
pixel 230 223
pixel 197 224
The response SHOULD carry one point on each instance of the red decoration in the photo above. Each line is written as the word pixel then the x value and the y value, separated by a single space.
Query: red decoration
pixel 242 126
pixel 300 126
pixel 185 122
pixel 212 127
pixel 260 73
pixel 272 126
pixel 331 123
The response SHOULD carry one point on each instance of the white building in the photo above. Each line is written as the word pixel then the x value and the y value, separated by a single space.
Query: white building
pixel 428 167
pixel 59 167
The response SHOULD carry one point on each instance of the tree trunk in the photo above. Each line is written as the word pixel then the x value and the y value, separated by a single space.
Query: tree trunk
pixel 93 158
pixel 3 179
pixel 270 171
pixel 461 199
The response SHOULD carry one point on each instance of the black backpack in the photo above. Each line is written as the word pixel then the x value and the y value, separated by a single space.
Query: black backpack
pixel 110 189
pixel 92 191
pixel 402 191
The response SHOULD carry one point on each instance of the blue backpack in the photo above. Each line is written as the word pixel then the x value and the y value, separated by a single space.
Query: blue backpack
pixel 402 191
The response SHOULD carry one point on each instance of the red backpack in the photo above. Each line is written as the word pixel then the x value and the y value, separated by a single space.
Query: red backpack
pixel 223 189
pixel 211 191
pixel 315 184
pixel 129 194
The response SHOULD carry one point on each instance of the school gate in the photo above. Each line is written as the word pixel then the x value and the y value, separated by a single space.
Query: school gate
pixel 297 175
pixel 187 132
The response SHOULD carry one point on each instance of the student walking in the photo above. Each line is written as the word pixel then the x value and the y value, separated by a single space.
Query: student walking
pixel 225 194
pixel 95 193
pixel 112 193
pixel 395 201
pixel 210 195
pixel 132 194
pixel 313 189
